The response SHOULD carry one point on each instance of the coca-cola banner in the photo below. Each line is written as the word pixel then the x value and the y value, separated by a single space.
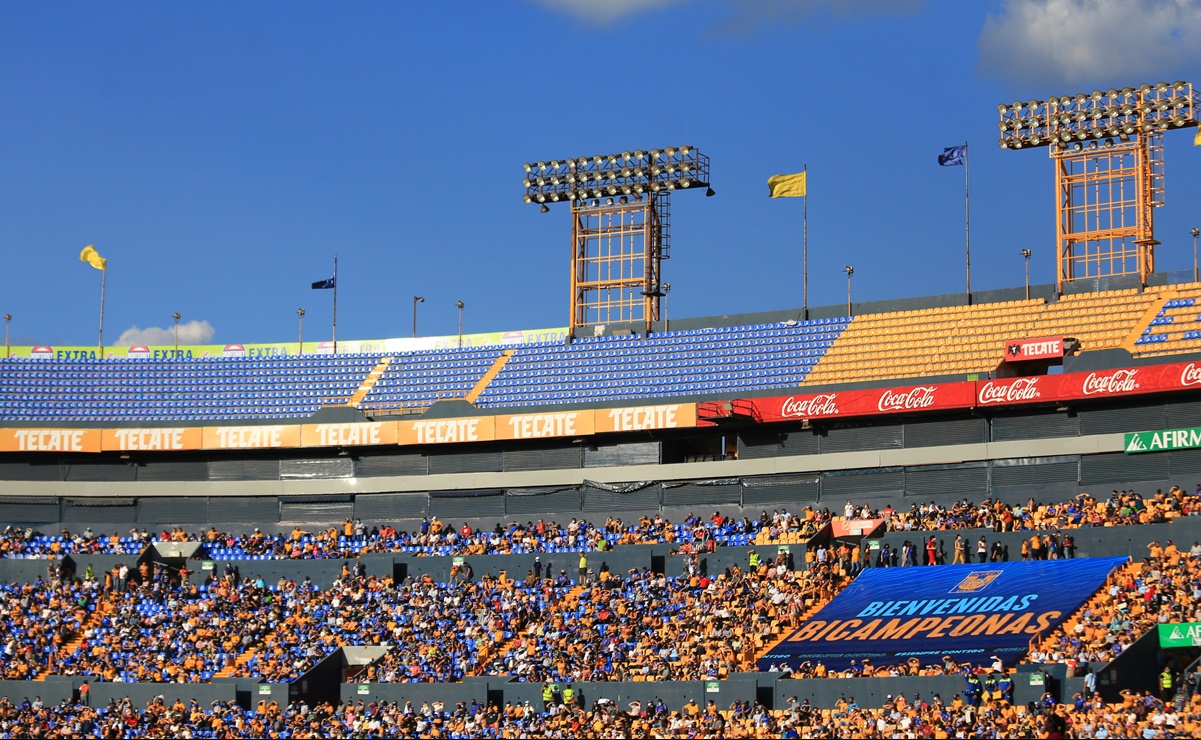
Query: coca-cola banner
pixel 1129 381
pixel 932 397
pixel 1039 348
pixel 1004 392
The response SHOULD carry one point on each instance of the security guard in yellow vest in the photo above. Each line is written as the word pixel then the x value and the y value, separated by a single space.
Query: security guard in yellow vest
pixel 1165 684
pixel 568 695
pixel 754 560
pixel 547 697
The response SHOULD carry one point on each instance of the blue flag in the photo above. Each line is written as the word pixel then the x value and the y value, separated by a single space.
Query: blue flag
pixel 952 155
pixel 326 284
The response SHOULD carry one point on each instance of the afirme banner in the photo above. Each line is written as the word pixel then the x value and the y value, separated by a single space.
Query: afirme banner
pixel 967 612
pixel 353 434
pixel 1165 439
pixel 1180 634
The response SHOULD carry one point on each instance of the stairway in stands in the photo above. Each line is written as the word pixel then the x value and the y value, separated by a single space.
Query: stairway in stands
pixel 808 614
pixel 569 601
pixel 103 608
pixel 368 383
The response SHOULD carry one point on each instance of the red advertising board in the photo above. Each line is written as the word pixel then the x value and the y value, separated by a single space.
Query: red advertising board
pixel 1038 348
pixel 1129 381
pixel 907 399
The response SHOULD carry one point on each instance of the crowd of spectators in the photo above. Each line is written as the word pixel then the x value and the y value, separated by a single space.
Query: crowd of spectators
pixel 1137 715
pixel 650 627
pixel 436 537
pixel 431 537
pixel 1164 587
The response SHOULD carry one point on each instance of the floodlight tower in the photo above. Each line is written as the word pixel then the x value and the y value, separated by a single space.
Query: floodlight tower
pixel 620 226
pixel 1108 152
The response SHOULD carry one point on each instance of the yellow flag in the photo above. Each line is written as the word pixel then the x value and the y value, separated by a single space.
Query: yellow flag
pixel 787 186
pixel 92 257
pixel 1197 137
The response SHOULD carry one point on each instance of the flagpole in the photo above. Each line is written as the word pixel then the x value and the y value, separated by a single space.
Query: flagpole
pixel 103 280
pixel 335 303
pixel 805 247
pixel 967 223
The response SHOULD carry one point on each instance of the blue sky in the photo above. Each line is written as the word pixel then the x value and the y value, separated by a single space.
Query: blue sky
pixel 219 153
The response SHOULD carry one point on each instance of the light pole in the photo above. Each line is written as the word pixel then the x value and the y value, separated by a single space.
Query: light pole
pixel 176 317
pixel 8 317
pixel 1026 257
pixel 849 271
pixel 666 306
pixel 1195 231
pixel 416 299
pixel 460 305
pixel 300 330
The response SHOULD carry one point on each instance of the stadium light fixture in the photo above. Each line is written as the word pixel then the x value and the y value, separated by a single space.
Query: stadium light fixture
pixel 176 317
pixel 849 271
pixel 8 319
pixel 1194 231
pixel 460 305
pixel 300 331
pixel 1026 256
pixel 416 299
pixel 620 205
pixel 1104 141
pixel 666 314
pixel 669 168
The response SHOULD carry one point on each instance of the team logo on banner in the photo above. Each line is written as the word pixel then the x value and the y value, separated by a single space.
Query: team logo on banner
pixel 233 350
pixel 976 581
pixel 139 352
pixel 42 353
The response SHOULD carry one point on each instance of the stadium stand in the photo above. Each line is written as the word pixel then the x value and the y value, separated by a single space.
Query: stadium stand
pixel 957 340
pixel 142 390
pixel 698 606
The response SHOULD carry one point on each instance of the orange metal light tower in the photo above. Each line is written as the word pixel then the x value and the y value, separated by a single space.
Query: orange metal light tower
pixel 1108 153
pixel 620 226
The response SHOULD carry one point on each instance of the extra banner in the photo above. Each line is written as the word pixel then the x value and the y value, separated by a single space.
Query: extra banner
pixel 968 612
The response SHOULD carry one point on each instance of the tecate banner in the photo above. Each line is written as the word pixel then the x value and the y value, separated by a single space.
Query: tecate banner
pixel 969 612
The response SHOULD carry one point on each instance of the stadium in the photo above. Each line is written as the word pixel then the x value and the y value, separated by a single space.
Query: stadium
pixel 969 514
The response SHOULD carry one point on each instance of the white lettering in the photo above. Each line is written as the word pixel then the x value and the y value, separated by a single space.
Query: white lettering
pixel 49 440
pixel 917 398
pixel 447 431
pixel 823 404
pixel 150 439
pixel 1190 375
pixel 1022 389
pixel 543 425
pixel 643 417
pixel 1121 381
pixel 249 437
pixel 346 435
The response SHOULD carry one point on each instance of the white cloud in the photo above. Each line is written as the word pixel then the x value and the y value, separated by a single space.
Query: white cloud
pixel 745 14
pixel 1122 42
pixel 191 332
pixel 605 11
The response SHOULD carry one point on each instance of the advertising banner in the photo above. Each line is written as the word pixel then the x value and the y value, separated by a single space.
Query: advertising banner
pixel 545 426
pixel 250 438
pixel 447 431
pixel 638 418
pixel 869 402
pixel 1099 384
pixel 1039 348
pixel 281 349
pixel 354 434
pixel 969 612
pixel 152 439
pixel 1164 439
pixel 1180 634
pixel 49 440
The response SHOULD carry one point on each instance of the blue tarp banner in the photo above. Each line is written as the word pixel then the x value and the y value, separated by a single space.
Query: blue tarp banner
pixel 970 612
